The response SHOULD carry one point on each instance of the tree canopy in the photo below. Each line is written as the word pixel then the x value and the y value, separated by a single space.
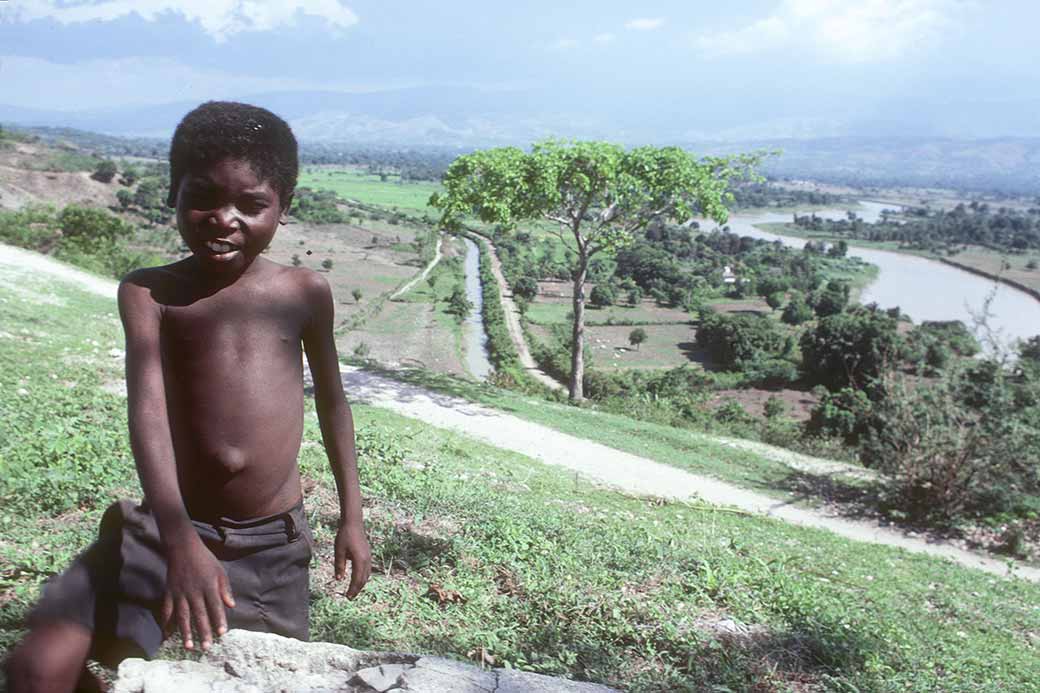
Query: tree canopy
pixel 596 195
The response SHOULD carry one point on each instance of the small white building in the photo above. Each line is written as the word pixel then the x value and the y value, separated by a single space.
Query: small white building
pixel 728 276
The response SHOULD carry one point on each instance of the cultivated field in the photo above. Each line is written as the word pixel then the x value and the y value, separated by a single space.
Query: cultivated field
pixel 355 184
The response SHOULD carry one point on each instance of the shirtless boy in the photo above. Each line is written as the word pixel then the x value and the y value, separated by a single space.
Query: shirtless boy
pixel 215 388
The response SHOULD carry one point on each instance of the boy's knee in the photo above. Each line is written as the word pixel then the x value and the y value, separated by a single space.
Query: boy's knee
pixel 50 658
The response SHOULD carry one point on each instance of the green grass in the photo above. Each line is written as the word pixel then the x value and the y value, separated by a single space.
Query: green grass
pixel 552 575
pixel 355 184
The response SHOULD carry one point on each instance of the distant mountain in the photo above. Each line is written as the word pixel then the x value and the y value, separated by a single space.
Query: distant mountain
pixel 900 148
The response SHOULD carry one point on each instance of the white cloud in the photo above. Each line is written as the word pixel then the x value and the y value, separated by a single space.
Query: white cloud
pixel 219 18
pixel 852 31
pixel 565 44
pixel 603 38
pixel 645 23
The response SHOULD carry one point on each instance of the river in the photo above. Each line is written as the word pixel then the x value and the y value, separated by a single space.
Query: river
pixel 473 328
pixel 923 289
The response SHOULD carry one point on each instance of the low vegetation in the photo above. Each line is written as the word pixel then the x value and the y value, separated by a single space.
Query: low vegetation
pixel 486 555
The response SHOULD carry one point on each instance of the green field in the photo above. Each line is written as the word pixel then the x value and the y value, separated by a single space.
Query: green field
pixel 356 184
pixel 551 575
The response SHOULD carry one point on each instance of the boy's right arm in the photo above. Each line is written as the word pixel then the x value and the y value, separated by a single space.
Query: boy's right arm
pixel 197 588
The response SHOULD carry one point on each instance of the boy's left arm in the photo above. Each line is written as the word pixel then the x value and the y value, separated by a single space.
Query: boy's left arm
pixel 337 432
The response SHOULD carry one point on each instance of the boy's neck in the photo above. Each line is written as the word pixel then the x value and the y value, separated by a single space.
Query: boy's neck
pixel 220 280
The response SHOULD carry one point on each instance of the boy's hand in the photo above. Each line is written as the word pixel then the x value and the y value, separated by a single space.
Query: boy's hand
pixel 352 544
pixel 197 589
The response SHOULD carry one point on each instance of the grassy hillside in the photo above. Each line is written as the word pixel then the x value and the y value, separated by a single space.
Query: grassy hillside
pixel 485 554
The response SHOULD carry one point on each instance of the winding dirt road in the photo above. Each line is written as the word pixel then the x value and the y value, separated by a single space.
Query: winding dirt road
pixel 598 463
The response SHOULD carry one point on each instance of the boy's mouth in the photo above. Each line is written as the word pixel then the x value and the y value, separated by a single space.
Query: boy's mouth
pixel 221 249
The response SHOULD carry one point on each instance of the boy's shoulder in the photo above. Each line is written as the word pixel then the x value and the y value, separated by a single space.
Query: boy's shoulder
pixel 274 275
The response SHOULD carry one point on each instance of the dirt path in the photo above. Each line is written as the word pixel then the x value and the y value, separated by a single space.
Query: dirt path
pixel 422 275
pixel 599 463
pixel 513 323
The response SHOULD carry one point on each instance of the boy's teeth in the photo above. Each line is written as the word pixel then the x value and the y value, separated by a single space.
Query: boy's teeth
pixel 218 247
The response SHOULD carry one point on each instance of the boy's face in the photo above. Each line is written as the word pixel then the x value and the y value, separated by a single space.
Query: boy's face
pixel 227 215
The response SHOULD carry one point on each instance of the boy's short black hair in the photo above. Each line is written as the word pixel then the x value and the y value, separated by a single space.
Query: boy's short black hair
pixel 217 130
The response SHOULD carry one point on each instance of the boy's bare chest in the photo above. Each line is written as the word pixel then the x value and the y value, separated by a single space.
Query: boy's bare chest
pixel 234 326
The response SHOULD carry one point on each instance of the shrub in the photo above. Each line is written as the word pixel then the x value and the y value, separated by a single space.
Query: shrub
pixel 849 349
pixel 797 311
pixel 844 414
pixel 832 299
pixel 948 457
pixel 296 262
pixel 105 171
pixel 635 296
pixel 733 339
pixel 526 288
pixel 774 407
pixel 603 295
pixel 326 264
pixel 775 299
pixel 356 293
pixel 637 337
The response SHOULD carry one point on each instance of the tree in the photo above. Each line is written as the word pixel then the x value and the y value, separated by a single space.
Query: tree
pixel 597 194
pixel 458 304
pixel 105 171
pixel 850 349
pixel 775 299
pixel 797 310
pixel 637 337
pixel 832 299
pixel 734 341
pixel 125 198
pixel 603 295
pixel 635 296
pixel 326 263
pixel 356 293
pixel 526 288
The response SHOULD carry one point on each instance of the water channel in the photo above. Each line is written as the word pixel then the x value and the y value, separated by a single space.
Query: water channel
pixel 473 328
pixel 923 289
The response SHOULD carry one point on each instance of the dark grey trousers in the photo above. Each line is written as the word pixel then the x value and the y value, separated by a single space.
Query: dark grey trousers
pixel 116 586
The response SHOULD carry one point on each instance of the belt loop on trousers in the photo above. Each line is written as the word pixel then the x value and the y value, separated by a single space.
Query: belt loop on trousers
pixel 290 527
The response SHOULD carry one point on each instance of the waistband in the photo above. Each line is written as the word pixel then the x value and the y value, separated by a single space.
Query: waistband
pixel 256 531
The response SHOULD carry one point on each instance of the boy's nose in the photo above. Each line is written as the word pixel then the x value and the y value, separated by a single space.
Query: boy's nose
pixel 224 219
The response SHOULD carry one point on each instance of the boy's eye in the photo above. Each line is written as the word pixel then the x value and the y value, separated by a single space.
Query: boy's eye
pixel 201 198
pixel 252 206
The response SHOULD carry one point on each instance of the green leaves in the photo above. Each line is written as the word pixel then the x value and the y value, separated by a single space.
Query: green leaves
pixel 596 191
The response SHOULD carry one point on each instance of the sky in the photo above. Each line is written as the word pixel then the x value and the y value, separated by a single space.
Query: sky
pixel 966 67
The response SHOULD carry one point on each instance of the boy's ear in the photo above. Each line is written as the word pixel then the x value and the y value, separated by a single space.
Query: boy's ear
pixel 283 219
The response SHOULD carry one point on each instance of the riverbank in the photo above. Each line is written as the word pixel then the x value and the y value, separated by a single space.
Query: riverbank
pixel 977 268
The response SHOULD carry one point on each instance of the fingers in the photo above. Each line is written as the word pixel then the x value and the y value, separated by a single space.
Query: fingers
pixel 340 562
pixel 225 592
pixel 165 620
pixel 184 622
pixel 198 612
pixel 217 614
pixel 358 577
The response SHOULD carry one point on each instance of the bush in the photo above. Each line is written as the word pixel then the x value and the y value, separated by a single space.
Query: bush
pixel 526 288
pixel 844 414
pixel 849 349
pixel 946 457
pixel 637 337
pixel 105 171
pixel 317 207
pixel 326 264
pixel 32 227
pixel 734 339
pixel 832 299
pixel 603 295
pixel 797 311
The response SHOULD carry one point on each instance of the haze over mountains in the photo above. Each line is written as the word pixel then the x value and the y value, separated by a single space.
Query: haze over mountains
pixel 871 148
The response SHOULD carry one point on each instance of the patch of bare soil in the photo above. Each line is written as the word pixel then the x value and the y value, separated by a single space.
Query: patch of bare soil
pixel 799 403
pixel 20 187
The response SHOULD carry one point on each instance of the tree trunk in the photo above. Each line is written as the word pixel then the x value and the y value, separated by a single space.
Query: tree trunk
pixel 577 393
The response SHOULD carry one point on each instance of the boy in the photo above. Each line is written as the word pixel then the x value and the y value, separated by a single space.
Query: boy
pixel 215 399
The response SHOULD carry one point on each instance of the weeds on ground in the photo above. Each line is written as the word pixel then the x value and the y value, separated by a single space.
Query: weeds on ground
pixel 486 555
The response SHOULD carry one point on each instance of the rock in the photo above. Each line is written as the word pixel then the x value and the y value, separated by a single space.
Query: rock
pixel 247 662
